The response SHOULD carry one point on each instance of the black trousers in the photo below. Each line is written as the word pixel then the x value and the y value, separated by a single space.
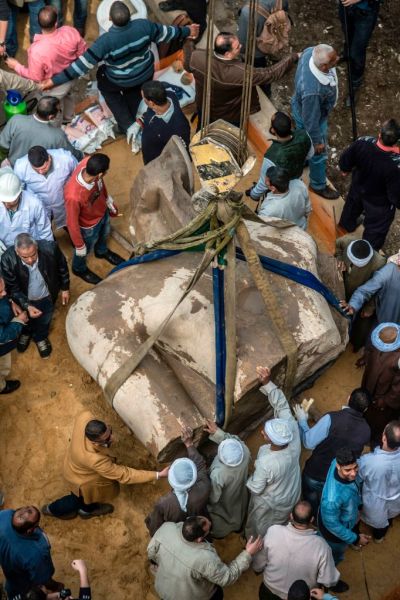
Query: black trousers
pixel 123 102
pixel 378 217
pixel 197 11
pixel 265 594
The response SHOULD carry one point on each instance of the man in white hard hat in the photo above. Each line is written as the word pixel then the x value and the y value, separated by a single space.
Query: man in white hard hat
pixel 275 484
pixel 229 497
pixel 20 211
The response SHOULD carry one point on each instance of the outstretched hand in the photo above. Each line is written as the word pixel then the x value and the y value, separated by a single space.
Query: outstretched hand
pixel 210 427
pixel 264 375
pixel 46 84
pixel 187 436
pixel 254 545
pixel 349 310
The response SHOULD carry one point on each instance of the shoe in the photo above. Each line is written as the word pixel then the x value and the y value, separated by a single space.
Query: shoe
pixel 340 587
pixel 44 348
pixel 327 192
pixel 88 276
pixel 355 547
pixel 380 540
pixel 1 498
pixel 111 257
pixel 11 386
pixel 47 512
pixel 104 509
pixel 169 5
pixel 23 342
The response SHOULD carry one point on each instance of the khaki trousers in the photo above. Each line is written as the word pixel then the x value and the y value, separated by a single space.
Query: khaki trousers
pixel 67 100
pixel 12 81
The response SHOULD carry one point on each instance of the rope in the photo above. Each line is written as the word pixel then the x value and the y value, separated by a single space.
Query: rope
pixel 205 111
pixel 282 332
pixel 248 78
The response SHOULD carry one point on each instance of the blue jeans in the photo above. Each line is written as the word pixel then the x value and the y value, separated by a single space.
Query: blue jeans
pixel 360 24
pixel 11 37
pixel 318 162
pixel 80 12
pixel 94 238
pixel 39 328
pixel 312 492
pixel 338 550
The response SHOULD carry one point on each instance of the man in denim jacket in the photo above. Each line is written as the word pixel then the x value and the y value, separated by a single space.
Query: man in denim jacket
pixel 315 95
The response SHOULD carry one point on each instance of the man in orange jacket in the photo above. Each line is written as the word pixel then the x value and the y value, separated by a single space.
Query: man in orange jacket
pixel 92 472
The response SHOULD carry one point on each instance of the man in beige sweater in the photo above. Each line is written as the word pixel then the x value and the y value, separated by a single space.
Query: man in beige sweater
pixel 294 551
pixel 92 472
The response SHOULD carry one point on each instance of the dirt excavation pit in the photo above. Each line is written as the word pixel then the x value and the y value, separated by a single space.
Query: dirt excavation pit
pixel 37 419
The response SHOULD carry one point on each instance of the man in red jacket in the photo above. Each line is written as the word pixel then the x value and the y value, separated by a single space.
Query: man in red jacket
pixel 88 207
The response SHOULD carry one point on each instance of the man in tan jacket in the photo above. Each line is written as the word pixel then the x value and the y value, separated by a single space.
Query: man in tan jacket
pixel 93 473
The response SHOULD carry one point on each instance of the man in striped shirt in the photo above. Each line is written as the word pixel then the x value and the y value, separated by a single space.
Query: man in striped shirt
pixel 127 61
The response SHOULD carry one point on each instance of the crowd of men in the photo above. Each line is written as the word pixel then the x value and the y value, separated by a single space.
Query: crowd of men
pixel 295 525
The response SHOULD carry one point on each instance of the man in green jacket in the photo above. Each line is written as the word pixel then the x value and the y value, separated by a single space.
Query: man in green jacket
pixel 188 566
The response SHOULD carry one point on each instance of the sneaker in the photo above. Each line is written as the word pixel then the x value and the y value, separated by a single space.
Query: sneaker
pixel 23 342
pixel 327 192
pixel 104 509
pixel 11 386
pixel 340 587
pixel 88 276
pixel 47 512
pixel 44 348
pixel 111 257
pixel 379 540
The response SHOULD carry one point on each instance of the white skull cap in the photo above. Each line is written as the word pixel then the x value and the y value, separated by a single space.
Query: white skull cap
pixel 278 431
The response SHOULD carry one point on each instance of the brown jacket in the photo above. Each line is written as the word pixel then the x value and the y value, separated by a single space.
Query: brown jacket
pixel 92 472
pixel 227 79
pixel 168 508
pixel 382 377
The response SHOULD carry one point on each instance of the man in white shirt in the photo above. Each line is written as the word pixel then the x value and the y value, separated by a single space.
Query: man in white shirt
pixel 295 551
pixel 287 199
pixel 380 472
pixel 275 483
pixel 45 173
pixel 20 211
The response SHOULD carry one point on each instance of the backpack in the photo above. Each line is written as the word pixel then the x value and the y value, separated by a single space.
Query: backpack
pixel 274 36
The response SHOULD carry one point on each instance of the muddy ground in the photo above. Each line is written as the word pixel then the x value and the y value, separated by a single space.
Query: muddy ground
pixel 37 419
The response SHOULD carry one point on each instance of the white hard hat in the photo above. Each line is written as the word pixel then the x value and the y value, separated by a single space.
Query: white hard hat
pixel 10 185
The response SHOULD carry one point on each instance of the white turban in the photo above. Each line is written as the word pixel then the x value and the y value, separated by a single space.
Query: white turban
pixel 181 477
pixel 278 431
pixel 230 452
pixel 359 262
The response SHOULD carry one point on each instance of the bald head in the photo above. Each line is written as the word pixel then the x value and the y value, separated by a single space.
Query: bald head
pixel 48 18
pixel 388 335
pixel 324 57
pixel 302 513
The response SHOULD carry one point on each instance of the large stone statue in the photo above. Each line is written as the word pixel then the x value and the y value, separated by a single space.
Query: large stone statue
pixel 175 382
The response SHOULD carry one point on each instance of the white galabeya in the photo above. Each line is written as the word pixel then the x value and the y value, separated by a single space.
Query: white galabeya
pixel 10 185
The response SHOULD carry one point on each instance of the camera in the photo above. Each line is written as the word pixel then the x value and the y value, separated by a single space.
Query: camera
pixel 65 593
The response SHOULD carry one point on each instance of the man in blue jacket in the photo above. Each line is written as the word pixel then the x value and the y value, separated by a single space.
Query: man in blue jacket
pixel 127 61
pixel 25 552
pixel 340 504
pixel 11 326
pixel 315 95
pixel 163 119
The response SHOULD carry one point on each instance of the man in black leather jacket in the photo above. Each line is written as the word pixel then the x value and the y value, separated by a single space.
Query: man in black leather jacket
pixel 34 273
